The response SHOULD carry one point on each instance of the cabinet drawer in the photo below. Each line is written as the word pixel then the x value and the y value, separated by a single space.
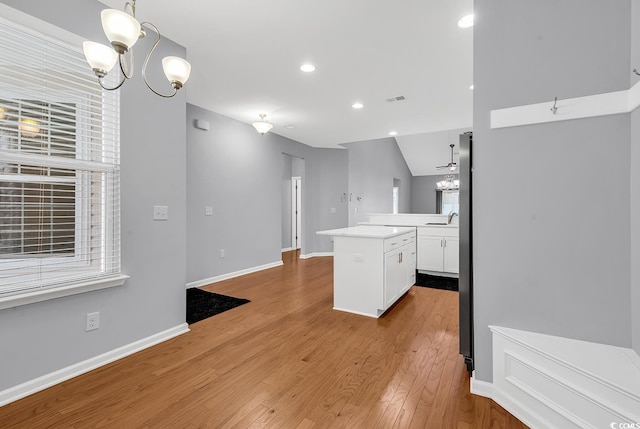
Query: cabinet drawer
pixel 425 231
pixel 398 241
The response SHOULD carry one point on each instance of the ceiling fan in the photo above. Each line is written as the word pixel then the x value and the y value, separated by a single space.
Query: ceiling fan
pixel 452 166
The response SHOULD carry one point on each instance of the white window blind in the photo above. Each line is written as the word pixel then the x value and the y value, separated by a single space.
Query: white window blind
pixel 59 166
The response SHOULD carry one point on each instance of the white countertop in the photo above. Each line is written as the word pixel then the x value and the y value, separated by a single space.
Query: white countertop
pixel 368 231
pixel 443 225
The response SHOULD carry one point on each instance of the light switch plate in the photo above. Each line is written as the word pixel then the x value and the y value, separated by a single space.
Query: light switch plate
pixel 160 212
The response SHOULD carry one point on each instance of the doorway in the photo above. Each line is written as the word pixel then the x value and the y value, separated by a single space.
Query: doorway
pixel 296 213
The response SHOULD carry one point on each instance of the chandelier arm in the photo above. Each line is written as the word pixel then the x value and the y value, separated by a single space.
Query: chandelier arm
pixel 132 6
pixel 115 87
pixel 146 61
pixel 122 65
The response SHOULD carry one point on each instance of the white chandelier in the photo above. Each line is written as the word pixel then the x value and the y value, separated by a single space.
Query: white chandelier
pixel 262 126
pixel 123 30
pixel 450 182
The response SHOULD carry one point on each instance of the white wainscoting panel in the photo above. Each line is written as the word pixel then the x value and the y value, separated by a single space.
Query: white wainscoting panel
pixel 554 382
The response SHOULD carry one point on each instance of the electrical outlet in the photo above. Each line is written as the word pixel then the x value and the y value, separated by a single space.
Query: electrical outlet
pixel 160 213
pixel 222 253
pixel 93 321
pixel 333 210
pixel 208 211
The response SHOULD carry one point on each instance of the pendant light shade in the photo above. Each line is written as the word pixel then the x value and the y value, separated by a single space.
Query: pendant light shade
pixel 121 29
pixel 262 126
pixel 176 70
pixel 101 58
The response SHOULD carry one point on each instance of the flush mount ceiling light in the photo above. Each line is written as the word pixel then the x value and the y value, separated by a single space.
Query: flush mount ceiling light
pixel 307 68
pixel 466 21
pixel 262 126
pixel 357 105
pixel 471 87
pixel 393 133
pixel 123 30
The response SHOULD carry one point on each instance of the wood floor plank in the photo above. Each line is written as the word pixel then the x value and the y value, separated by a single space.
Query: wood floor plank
pixel 284 360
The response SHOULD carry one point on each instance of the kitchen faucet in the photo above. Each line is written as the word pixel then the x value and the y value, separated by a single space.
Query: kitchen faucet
pixel 451 215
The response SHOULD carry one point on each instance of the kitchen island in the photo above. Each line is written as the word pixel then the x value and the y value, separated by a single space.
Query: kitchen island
pixel 373 266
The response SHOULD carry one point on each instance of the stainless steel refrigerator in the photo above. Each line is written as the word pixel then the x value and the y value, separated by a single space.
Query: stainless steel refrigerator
pixel 465 282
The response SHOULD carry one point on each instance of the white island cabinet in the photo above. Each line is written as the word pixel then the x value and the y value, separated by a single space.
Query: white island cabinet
pixel 373 266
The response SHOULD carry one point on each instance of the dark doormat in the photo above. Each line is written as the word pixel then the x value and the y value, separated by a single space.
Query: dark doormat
pixel 202 304
pixel 436 282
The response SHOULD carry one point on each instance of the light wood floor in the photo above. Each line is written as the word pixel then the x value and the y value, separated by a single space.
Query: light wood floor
pixel 284 360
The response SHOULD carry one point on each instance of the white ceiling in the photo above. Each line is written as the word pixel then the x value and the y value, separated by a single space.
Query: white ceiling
pixel 246 55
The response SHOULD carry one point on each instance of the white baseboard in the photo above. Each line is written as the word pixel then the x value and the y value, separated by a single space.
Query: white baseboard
pixel 288 249
pixel 316 255
pixel 481 388
pixel 37 384
pixel 228 276
pixel 553 382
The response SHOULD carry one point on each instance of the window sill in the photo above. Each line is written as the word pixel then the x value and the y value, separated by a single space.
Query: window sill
pixel 59 292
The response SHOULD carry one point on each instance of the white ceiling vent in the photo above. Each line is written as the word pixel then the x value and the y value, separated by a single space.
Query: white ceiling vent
pixel 394 99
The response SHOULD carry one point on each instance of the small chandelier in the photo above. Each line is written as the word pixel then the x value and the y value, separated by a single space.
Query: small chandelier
pixel 449 183
pixel 123 30
pixel 262 126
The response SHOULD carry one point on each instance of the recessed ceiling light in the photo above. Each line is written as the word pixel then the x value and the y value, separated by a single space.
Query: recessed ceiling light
pixel 466 21
pixel 357 105
pixel 307 68
pixel 393 133
pixel 471 87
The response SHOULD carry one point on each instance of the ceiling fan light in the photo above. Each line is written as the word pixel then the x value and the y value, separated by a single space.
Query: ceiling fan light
pixel 122 29
pixel 177 70
pixel 100 57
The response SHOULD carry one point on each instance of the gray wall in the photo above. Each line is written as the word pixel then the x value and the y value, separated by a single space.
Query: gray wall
pixel 40 338
pixel 548 258
pixel 240 174
pixel 373 165
pixel 635 182
pixel 423 193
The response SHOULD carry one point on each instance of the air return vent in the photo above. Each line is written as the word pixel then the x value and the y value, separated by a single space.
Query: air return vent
pixel 394 99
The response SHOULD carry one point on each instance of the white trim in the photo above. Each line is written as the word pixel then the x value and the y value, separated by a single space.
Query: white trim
pixel 228 276
pixel 553 382
pixel 610 103
pixel 288 249
pixel 37 384
pixel 59 292
pixel 480 388
pixel 316 255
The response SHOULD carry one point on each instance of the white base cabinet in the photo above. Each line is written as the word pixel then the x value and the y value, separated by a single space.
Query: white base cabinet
pixel 438 249
pixel 372 271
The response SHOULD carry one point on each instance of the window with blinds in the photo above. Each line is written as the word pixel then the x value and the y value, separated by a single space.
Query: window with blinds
pixel 59 165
